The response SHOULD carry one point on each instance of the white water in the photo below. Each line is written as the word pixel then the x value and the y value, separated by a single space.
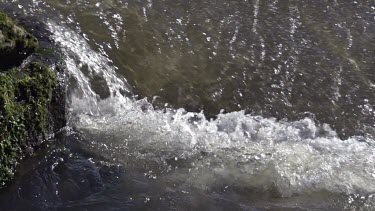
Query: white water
pixel 235 149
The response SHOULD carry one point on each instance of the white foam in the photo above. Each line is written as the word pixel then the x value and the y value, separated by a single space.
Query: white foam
pixel 248 151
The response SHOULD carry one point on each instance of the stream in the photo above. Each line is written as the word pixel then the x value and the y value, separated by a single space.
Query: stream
pixel 206 105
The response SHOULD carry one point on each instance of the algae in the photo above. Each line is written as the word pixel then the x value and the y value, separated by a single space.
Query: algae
pixel 25 94
pixel 23 112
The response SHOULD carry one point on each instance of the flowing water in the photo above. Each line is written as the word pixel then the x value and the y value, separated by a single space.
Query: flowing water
pixel 207 105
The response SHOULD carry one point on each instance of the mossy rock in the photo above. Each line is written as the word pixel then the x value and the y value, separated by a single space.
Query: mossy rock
pixel 24 97
pixel 15 43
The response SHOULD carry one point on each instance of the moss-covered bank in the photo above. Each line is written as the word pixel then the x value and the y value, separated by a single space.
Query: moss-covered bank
pixel 25 96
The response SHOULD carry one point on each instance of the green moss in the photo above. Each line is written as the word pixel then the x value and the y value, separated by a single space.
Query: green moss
pixel 15 43
pixel 24 97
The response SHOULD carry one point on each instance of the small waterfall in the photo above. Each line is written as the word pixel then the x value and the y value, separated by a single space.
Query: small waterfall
pixel 249 151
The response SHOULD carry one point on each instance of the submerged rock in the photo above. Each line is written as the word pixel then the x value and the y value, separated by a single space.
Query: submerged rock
pixel 31 99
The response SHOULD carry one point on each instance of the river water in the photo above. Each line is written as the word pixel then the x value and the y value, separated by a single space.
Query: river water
pixel 207 105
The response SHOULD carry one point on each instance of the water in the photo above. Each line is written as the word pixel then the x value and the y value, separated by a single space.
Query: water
pixel 251 105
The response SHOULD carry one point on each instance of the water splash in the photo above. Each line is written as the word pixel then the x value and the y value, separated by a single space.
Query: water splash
pixel 78 54
pixel 237 149
pixel 248 151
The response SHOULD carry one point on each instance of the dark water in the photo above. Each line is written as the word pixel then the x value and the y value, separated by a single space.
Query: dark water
pixel 293 82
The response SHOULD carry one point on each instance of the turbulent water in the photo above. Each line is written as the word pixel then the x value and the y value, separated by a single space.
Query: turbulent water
pixel 251 105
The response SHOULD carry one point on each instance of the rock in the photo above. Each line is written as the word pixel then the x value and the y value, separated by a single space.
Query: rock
pixel 24 98
pixel 32 96
pixel 15 43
